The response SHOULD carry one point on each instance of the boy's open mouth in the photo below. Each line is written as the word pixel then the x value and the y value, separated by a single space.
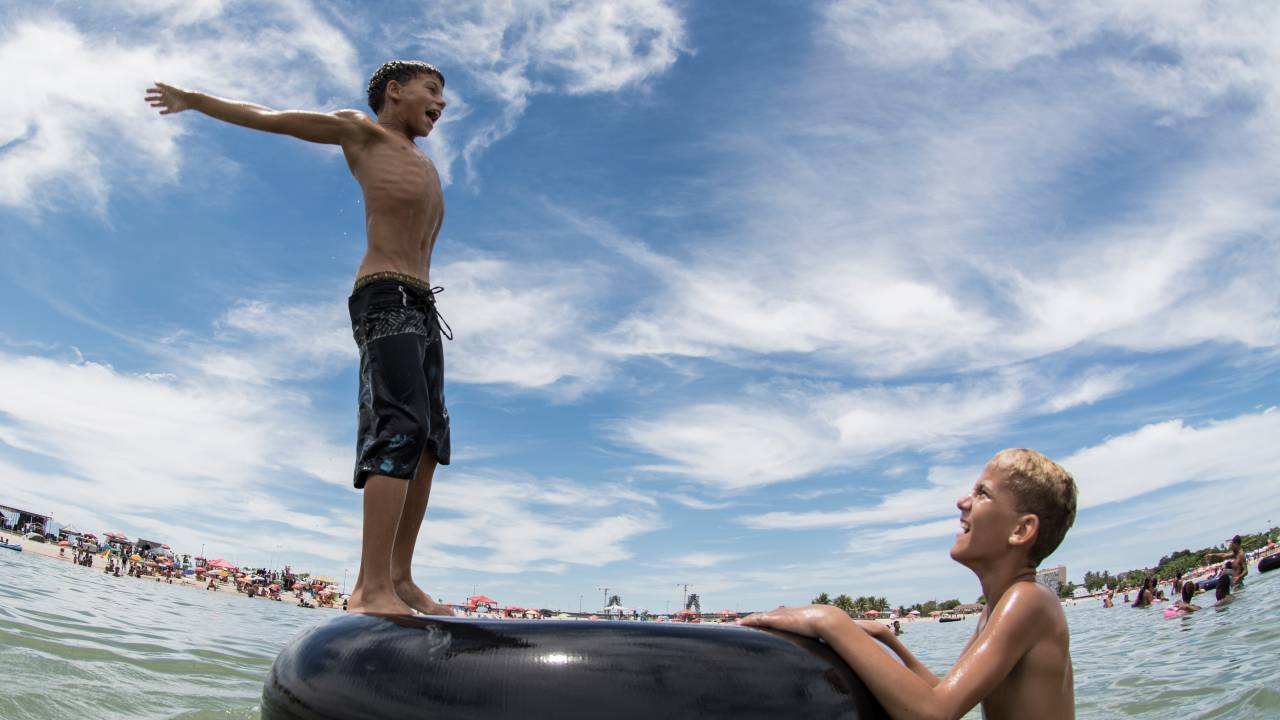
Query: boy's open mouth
pixel 434 115
pixel 964 526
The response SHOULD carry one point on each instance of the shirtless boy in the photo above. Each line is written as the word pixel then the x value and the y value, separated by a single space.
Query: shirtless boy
pixel 1239 565
pixel 1018 662
pixel 403 422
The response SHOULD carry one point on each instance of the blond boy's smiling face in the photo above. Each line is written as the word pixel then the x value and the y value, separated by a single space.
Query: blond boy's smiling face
pixel 989 519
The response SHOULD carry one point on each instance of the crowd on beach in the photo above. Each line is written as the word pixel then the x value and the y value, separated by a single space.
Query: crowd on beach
pixel 115 555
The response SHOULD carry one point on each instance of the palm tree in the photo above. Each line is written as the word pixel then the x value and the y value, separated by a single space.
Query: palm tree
pixel 693 603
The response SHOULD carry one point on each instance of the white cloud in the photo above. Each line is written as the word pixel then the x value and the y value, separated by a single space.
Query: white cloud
pixel 1154 457
pixel 499 523
pixel 939 221
pixel 161 442
pixel 777 433
pixel 1094 386
pixel 520 325
pixel 1183 58
pixel 1171 453
pixel 75 123
pixel 516 49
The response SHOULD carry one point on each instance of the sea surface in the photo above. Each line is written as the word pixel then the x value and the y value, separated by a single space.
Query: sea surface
pixel 76 642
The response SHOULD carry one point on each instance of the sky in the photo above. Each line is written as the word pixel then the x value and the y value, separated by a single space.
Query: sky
pixel 744 295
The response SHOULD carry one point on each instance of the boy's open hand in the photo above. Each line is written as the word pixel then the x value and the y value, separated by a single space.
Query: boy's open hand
pixel 808 621
pixel 168 98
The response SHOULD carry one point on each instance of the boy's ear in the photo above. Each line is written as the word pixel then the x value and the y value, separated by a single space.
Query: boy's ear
pixel 1025 532
pixel 393 89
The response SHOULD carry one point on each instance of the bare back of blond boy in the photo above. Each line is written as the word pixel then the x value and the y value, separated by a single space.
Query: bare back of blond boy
pixel 404 210
pixel 1017 664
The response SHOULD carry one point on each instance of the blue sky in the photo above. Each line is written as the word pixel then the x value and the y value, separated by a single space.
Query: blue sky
pixel 742 298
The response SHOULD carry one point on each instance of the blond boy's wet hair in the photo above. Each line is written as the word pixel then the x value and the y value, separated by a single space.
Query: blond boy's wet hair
pixel 1042 488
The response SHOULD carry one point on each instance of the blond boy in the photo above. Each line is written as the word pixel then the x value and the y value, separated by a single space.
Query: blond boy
pixel 1018 662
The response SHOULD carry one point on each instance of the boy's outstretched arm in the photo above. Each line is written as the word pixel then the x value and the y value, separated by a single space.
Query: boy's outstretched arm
pixel 343 127
pixel 1014 626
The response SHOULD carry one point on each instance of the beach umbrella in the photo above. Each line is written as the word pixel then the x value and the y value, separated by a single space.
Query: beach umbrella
pixel 298 586
pixel 871 613
pixel 135 557
pixel 64 543
pixel 726 613
pixel 273 586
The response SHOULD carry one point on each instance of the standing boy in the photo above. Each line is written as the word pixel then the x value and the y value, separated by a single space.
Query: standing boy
pixel 1239 565
pixel 1018 662
pixel 403 422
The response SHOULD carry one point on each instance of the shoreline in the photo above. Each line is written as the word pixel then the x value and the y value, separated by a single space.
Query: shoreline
pixel 50 551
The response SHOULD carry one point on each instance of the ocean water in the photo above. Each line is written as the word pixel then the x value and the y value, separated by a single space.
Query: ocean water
pixel 75 642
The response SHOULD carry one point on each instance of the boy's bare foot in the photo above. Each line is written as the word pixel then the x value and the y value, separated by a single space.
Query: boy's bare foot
pixel 377 604
pixel 420 600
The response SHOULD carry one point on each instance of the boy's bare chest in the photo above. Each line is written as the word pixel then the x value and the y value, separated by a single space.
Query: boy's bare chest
pixel 392 174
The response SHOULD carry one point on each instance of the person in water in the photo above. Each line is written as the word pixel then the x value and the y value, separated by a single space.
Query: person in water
pixel 1145 596
pixel 403 422
pixel 1222 590
pixel 1236 559
pixel 1018 661
pixel 1185 606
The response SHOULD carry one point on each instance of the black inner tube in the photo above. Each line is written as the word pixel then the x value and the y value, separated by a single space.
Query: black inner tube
pixel 362 666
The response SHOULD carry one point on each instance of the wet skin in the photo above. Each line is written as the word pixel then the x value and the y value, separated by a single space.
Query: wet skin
pixel 1018 662
pixel 404 210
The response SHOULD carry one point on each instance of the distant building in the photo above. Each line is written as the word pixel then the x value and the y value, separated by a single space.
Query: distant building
pixel 1053 578
pixel 23 520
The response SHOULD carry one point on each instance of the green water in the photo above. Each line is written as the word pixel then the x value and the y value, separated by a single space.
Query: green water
pixel 75 642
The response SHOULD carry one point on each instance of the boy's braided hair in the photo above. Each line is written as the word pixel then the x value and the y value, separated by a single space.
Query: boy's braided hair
pixel 400 71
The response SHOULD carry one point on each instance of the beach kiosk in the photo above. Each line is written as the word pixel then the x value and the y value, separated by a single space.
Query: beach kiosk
pixel 24 521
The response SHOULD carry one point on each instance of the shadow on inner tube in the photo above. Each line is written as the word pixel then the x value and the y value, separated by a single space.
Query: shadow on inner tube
pixel 364 666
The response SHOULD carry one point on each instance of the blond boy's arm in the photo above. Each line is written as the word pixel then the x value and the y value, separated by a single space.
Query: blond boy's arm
pixel 1014 627
pixel 882 633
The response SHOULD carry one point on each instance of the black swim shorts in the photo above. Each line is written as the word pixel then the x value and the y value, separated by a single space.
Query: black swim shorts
pixel 402 411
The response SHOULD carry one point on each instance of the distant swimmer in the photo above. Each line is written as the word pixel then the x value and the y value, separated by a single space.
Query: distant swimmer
pixel 403 424
pixel 1185 606
pixel 1222 590
pixel 1017 664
